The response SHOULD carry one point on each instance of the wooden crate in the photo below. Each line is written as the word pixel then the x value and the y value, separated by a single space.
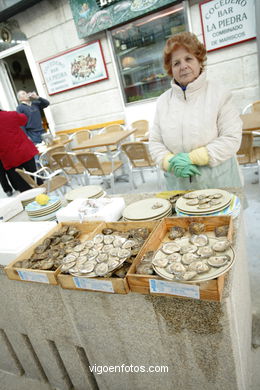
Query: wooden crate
pixel 42 276
pixel 107 285
pixel 208 290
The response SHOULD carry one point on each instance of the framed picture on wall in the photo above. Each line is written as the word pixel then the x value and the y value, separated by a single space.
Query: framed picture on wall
pixel 74 68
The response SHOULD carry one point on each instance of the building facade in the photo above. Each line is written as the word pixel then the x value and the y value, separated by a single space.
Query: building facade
pixel 48 29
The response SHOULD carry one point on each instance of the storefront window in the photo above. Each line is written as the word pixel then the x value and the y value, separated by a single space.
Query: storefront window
pixel 139 52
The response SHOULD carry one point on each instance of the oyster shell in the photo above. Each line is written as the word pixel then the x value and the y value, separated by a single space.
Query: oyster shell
pixel 89 244
pixel 170 247
pixel 199 239
pixel 218 261
pixel 188 275
pixel 190 195
pixel 214 202
pixel 122 271
pixel 176 232
pixel 79 248
pixel 199 267
pixel 88 267
pixel 147 257
pixel 102 257
pixel 128 244
pixel 107 231
pixel 112 264
pixel 196 228
pixel 160 261
pixel 221 245
pixel 189 257
pixel 175 268
pixel 123 253
pixel 188 248
pixel 144 269
pixel 192 202
pixel 221 231
pixel 217 195
pixel 174 257
pixel 203 206
pixel 109 239
pixel 98 238
pixel 205 251
pixel 101 269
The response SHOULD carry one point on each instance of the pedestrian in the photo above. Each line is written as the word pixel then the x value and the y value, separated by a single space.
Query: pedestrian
pixel 16 149
pixel 197 130
pixel 7 188
pixel 31 105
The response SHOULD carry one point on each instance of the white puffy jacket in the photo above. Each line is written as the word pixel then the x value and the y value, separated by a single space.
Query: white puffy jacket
pixel 203 115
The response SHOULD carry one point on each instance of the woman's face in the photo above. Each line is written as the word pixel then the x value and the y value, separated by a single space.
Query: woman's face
pixel 185 66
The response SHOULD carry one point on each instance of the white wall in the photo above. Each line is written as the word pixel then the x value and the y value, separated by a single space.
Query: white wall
pixel 50 30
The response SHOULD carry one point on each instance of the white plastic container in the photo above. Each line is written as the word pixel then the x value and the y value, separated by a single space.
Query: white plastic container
pixel 9 208
pixel 16 237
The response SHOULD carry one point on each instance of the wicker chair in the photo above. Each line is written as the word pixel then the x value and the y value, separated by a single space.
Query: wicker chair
pixel 142 129
pixel 69 164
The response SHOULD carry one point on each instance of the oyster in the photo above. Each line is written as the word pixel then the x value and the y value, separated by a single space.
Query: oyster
pixel 174 257
pixel 88 267
pixel 107 231
pixel 107 248
pixel 170 247
pixel 112 264
pixel 190 195
pixel 199 239
pixel 189 257
pixel 192 202
pixel 188 248
pixel 221 231
pixel 66 267
pixel 118 242
pixel 128 244
pixel 221 245
pixel 79 248
pixel 204 201
pixel 109 239
pixel 176 232
pixel 122 271
pixel 40 248
pixel 102 257
pixel 98 238
pixel 160 261
pixel 147 257
pixel 89 244
pixel 196 228
pixel 123 253
pixel 101 269
pixel 144 269
pixel 199 267
pixel 188 275
pixel 214 202
pixel 217 196
pixel 203 206
pixel 205 251
pixel 218 261
pixel 175 268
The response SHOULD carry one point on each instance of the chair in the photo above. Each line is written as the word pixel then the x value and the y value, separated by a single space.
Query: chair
pixel 63 137
pixel 46 159
pixel 109 129
pixel 253 107
pixel 67 162
pixel 53 181
pixel 79 137
pixel 95 167
pixel 139 160
pixel 142 129
pixel 245 152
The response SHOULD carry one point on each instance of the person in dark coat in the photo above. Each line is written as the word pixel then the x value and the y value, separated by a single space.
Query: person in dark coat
pixel 31 105
pixel 16 149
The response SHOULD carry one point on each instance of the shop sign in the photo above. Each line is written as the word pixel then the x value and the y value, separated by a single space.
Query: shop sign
pixel 77 67
pixel 227 22
pixel 97 15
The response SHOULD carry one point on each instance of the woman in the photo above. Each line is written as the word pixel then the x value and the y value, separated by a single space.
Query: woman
pixel 16 149
pixel 197 131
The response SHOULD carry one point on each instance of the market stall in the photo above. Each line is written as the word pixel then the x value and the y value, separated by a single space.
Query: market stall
pixel 70 337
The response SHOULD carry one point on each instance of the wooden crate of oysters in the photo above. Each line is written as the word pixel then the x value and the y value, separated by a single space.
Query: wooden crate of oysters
pixel 101 262
pixel 185 257
pixel 41 262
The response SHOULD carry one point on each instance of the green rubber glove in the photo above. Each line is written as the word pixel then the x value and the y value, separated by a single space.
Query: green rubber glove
pixel 191 170
pixel 180 160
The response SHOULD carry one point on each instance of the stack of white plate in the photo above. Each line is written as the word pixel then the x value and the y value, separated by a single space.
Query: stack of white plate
pixel 224 201
pixel 36 212
pixel 148 210
pixel 85 192
pixel 27 197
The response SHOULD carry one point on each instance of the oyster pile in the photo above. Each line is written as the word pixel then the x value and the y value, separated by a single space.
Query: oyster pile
pixel 50 253
pixel 107 254
pixel 203 201
pixel 186 257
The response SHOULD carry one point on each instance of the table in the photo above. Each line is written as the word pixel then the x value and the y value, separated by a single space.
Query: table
pixel 251 121
pixel 105 139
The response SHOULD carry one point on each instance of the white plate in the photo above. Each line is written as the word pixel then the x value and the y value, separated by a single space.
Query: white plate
pixel 30 194
pixel 84 192
pixel 143 209
pixel 182 205
pixel 211 274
